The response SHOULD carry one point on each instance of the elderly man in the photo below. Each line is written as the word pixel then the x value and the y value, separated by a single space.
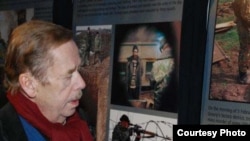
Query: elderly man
pixel 44 86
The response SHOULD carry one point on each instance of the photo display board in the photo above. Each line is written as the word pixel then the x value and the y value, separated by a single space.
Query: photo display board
pixel 108 34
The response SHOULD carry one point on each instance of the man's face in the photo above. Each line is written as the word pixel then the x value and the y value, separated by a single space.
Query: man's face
pixel 135 52
pixel 125 124
pixel 60 98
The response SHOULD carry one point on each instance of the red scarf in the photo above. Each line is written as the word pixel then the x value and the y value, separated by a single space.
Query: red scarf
pixel 75 129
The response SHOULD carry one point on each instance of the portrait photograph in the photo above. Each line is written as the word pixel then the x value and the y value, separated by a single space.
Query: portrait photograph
pixel 145 66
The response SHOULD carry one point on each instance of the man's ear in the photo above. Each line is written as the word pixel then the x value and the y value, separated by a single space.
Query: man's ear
pixel 28 84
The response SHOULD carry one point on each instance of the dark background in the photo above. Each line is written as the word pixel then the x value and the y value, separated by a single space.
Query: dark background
pixel 192 56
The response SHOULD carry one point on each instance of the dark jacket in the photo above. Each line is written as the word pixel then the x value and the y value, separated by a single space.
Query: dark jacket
pixel 11 128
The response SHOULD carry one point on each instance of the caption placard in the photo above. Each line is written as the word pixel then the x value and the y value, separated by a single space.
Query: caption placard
pixel 210 132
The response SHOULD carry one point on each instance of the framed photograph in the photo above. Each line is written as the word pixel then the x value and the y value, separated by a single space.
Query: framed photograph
pixel 145 66
pixel 94 43
pixel 141 126
pixel 225 98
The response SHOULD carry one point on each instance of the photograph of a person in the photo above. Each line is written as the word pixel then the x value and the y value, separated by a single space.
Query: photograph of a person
pixel 130 126
pixel 145 66
pixel 230 74
pixel 94 44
